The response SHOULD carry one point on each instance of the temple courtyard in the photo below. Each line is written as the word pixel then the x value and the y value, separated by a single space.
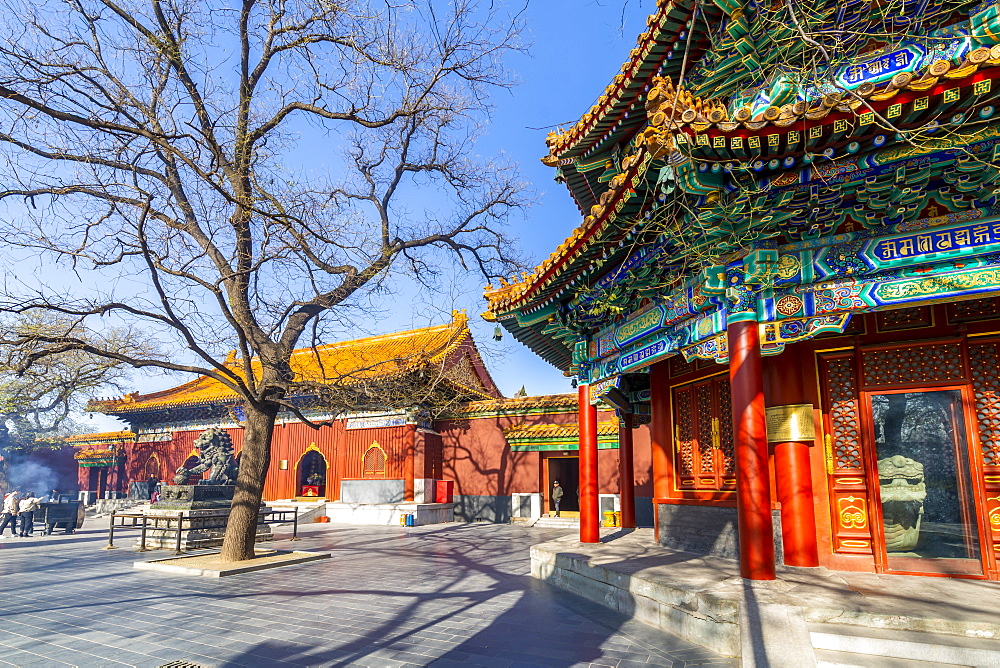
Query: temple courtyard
pixel 455 595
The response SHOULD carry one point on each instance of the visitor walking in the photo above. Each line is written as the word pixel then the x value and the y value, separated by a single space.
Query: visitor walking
pixel 557 495
pixel 26 513
pixel 11 503
pixel 151 486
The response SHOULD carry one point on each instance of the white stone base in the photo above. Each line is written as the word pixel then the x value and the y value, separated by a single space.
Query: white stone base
pixel 388 514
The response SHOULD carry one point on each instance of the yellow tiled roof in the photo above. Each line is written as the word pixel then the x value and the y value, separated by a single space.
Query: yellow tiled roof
pixel 561 141
pixel 504 405
pixel 553 431
pixel 349 362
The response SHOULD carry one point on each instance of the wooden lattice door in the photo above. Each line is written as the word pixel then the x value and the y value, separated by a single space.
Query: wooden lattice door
pixel 703 436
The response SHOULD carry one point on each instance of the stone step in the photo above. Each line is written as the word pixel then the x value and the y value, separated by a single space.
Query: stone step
pixel 828 659
pixel 557 523
pixel 307 511
pixel 840 644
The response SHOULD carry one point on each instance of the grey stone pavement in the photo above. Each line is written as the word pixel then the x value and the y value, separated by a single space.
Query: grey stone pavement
pixel 445 595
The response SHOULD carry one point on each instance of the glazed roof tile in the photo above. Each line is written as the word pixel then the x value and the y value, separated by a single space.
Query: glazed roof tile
pixel 353 362
pixel 566 401
pixel 526 432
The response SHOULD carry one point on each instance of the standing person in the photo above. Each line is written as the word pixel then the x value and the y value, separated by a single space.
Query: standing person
pixel 11 502
pixel 557 495
pixel 26 513
pixel 151 485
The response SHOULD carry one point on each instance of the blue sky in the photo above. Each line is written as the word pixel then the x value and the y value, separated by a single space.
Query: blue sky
pixel 577 47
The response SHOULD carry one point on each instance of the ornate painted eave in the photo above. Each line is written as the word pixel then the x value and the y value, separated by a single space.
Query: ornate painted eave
pixel 561 437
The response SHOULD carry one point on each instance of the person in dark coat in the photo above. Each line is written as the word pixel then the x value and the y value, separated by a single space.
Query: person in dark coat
pixel 151 485
pixel 26 513
pixel 557 495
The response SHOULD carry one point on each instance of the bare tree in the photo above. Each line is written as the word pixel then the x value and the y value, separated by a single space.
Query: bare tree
pixel 162 150
pixel 38 401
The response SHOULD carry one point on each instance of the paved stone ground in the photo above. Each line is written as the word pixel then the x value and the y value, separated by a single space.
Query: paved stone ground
pixel 451 595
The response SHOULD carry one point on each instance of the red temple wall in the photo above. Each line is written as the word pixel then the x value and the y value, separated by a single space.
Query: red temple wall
pixel 471 452
pixel 477 458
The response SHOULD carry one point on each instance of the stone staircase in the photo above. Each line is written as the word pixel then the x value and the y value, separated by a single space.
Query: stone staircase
pixel 307 511
pixel 848 646
pixel 546 522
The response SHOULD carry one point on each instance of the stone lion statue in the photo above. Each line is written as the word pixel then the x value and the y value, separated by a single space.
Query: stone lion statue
pixel 903 492
pixel 217 457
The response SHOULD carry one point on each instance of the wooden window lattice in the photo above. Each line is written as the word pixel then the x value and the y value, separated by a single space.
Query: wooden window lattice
pixel 904 318
pixel 913 365
pixel 704 436
pixel 974 309
pixel 705 427
pixel 984 361
pixel 844 420
pixel 726 429
pixel 373 463
pixel 685 439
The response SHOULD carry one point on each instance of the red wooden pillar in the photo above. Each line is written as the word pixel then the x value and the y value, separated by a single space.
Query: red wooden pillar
pixel 626 472
pixel 753 495
pixel 661 440
pixel 798 517
pixel 793 478
pixel 589 504
pixel 409 455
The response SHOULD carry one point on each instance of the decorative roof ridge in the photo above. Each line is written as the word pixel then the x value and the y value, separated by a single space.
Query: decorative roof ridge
pixel 459 322
pixel 562 142
pixel 699 114
pixel 511 291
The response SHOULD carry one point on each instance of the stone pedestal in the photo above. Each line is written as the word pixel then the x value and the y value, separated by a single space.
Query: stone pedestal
pixel 203 512
pixel 195 497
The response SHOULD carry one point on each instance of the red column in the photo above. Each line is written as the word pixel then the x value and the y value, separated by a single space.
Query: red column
pixel 661 440
pixel 753 498
pixel 626 472
pixel 798 517
pixel 409 455
pixel 793 478
pixel 589 505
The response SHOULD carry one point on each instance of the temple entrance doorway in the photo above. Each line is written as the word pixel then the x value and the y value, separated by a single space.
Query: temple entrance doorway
pixel 567 471
pixel 98 481
pixel 311 475
pixel 926 504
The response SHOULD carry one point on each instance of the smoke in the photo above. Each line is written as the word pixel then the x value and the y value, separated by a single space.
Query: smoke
pixel 31 476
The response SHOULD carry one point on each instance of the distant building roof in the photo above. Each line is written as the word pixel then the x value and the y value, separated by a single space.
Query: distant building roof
pixel 561 403
pixel 104 438
pixel 538 437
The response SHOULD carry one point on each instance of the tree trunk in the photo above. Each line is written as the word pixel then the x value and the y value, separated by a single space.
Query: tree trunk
pixel 255 458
